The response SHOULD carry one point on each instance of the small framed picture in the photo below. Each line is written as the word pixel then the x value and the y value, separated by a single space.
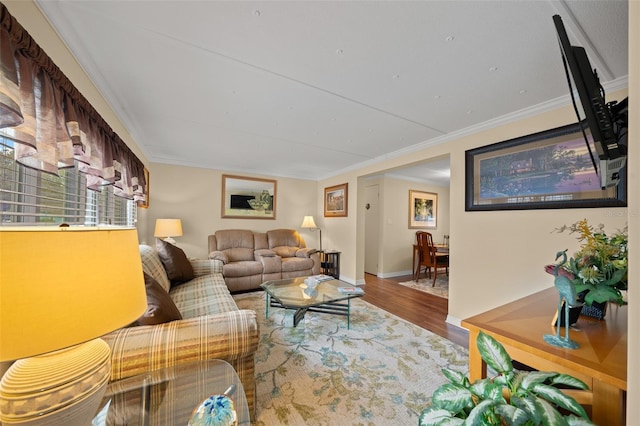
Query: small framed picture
pixel 145 204
pixel 335 200
pixel 423 209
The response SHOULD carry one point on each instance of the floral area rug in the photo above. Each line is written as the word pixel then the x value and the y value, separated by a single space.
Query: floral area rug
pixel 382 371
pixel 441 289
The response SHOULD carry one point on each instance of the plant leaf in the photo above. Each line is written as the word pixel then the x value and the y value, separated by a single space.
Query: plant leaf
pixel 567 380
pixel 531 378
pixel 578 421
pixel 434 416
pixel 528 404
pixel 482 415
pixel 452 397
pixel 456 377
pixel 549 415
pixel 486 389
pixel 493 353
pixel 559 398
pixel 512 415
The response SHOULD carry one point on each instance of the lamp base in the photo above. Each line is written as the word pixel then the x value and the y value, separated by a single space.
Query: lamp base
pixel 61 387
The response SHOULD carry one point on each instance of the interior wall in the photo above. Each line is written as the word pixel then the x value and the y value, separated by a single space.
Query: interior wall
pixel 397 250
pixel 194 195
pixel 633 334
pixel 496 256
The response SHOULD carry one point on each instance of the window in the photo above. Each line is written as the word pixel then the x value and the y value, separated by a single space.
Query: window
pixel 33 197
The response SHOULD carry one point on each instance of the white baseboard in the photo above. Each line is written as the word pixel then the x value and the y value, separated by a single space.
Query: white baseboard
pixel 454 321
pixel 395 274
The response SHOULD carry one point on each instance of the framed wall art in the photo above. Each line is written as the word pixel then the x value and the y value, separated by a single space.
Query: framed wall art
pixel 423 209
pixel 336 200
pixel 546 170
pixel 248 198
pixel 145 204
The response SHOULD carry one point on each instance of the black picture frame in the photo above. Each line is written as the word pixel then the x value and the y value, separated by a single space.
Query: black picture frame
pixel 551 169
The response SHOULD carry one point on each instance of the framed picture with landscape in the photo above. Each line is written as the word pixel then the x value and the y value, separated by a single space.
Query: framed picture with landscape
pixel 336 200
pixel 248 198
pixel 423 209
pixel 546 170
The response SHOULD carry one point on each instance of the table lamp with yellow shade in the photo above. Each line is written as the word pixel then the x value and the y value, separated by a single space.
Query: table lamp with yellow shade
pixel 167 229
pixel 60 290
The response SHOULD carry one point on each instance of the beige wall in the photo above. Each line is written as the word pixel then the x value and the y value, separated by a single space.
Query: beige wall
pixel 194 195
pixel 496 256
pixel 396 238
pixel 633 336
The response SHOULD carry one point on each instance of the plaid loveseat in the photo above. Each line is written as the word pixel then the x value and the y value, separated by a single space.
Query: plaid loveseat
pixel 212 328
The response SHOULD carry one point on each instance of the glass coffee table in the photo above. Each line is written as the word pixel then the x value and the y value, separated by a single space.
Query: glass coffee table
pixel 169 396
pixel 326 297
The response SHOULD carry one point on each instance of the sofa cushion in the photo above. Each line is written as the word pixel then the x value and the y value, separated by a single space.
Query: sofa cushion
pixel 175 262
pixel 160 307
pixel 241 269
pixel 152 265
pixel 285 237
pixel 293 264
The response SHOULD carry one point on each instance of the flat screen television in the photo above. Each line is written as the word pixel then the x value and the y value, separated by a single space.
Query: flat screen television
pixel 607 122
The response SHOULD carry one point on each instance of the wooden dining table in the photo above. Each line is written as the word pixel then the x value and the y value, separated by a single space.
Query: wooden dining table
pixel 440 248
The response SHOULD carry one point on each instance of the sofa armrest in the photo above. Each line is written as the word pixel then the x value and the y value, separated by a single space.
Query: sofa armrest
pixel 228 336
pixel 305 252
pixel 206 266
pixel 259 253
pixel 218 255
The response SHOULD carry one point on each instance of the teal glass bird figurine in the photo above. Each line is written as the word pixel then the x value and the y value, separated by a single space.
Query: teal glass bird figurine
pixel 567 293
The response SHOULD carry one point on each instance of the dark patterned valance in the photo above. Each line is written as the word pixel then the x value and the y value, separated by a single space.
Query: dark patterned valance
pixel 52 124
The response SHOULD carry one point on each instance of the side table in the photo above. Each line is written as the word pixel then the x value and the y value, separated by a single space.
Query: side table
pixel 330 263
pixel 169 395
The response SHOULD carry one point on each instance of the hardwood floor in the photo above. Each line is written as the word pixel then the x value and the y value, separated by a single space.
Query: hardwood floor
pixel 417 307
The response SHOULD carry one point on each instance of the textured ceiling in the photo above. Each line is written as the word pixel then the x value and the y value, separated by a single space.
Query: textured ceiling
pixel 310 89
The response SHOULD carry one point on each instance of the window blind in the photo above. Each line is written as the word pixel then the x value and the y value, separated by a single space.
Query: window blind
pixel 33 197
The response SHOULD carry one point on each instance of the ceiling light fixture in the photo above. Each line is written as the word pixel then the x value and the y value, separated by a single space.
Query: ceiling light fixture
pixel 339 51
pixel 492 69
pixel 449 38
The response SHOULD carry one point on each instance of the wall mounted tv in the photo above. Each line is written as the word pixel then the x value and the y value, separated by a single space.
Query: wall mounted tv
pixel 607 122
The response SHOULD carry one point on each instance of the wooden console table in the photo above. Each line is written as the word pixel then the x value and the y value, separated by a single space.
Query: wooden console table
pixel 600 361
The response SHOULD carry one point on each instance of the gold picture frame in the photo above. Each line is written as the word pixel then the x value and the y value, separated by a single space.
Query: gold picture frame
pixel 248 198
pixel 336 200
pixel 423 209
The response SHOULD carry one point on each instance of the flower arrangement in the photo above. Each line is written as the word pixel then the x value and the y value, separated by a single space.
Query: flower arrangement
pixel 599 267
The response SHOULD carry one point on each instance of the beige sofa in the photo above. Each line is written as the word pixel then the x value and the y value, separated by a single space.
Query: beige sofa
pixel 251 258
pixel 212 326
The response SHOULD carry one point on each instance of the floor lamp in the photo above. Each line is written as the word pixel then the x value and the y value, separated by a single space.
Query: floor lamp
pixel 308 222
pixel 63 288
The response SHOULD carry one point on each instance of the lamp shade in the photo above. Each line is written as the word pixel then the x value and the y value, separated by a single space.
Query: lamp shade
pixel 308 222
pixel 64 286
pixel 168 228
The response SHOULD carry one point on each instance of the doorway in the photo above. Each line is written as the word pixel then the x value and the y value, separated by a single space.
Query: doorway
pixel 372 227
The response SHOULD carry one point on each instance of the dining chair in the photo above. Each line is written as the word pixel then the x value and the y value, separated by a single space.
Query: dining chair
pixel 429 257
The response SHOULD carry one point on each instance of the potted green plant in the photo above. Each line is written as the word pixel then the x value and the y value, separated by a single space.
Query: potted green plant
pixel 510 398
pixel 599 268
